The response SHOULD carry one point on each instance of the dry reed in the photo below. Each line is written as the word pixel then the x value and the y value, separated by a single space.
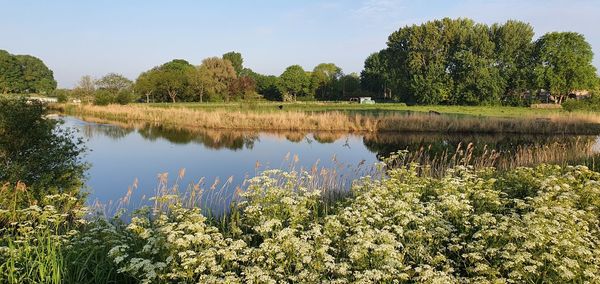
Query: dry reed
pixel 339 121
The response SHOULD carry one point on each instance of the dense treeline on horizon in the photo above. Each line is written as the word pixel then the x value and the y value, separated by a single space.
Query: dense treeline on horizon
pixel 447 61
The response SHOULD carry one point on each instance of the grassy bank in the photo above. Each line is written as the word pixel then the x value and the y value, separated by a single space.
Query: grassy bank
pixel 552 123
pixel 502 111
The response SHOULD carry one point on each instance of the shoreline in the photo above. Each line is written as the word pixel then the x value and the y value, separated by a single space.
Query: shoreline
pixel 337 121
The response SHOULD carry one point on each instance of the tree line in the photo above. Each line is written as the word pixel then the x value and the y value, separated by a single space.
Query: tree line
pixel 24 74
pixel 458 61
pixel 447 61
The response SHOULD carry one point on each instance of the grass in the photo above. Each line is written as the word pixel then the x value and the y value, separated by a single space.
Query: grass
pixel 498 111
pixel 550 123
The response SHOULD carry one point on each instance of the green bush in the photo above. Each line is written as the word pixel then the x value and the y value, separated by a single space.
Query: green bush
pixel 104 97
pixel 588 104
pixel 124 97
pixel 36 153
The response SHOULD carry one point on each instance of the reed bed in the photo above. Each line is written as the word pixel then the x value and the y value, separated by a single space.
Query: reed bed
pixel 437 165
pixel 576 123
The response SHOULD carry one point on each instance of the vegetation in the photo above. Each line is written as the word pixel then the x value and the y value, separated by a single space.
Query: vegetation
pixel 340 121
pixel 35 153
pixel 524 225
pixel 411 222
pixel 24 74
pixel 460 62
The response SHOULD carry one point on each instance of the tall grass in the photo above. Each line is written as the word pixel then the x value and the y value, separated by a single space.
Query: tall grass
pixel 575 123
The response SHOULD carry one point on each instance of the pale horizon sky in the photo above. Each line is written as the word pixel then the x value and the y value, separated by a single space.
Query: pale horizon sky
pixel 76 38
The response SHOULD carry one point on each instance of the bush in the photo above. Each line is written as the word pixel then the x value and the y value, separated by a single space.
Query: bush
pixel 124 97
pixel 588 104
pixel 104 97
pixel 36 153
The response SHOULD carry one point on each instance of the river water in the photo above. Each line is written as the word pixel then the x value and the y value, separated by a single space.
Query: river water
pixel 142 160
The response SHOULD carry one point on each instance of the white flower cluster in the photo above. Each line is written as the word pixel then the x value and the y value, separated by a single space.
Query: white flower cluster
pixel 536 225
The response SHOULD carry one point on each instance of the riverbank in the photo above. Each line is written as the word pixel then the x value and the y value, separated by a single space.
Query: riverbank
pixel 533 122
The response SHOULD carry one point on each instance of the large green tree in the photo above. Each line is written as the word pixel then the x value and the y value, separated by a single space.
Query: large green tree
pixel 215 76
pixel 167 82
pixel 373 78
pixel 24 74
pixel 236 59
pixel 513 54
pixel 454 61
pixel 295 82
pixel 11 79
pixel 563 63
pixel 323 79
pixel 114 82
pixel 37 77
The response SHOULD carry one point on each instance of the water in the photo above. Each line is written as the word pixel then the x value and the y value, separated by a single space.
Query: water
pixel 121 156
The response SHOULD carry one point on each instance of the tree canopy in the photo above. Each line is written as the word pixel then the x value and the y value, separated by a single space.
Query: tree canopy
pixel 564 63
pixel 458 61
pixel 24 74
pixel 236 61
pixel 295 82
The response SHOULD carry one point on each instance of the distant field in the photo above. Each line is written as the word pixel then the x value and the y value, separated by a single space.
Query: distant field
pixel 499 111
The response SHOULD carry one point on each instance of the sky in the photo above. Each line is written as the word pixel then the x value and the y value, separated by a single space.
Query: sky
pixel 76 38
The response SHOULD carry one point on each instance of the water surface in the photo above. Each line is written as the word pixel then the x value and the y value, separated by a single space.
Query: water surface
pixel 123 155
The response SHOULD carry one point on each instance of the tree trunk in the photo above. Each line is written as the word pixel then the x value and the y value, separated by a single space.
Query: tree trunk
pixel 172 94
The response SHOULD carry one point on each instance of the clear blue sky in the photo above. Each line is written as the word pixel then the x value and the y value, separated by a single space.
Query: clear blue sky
pixel 76 38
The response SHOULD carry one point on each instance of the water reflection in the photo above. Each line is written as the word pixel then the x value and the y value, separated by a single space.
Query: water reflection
pixel 139 153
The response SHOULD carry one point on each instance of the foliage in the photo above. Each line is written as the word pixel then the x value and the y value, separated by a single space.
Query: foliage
pixel 114 83
pixel 236 61
pixel 457 61
pixel 564 63
pixel 24 74
pixel 323 78
pixel 215 76
pixel 35 152
pixel 295 82
pixel 85 89
pixel 470 226
pixel 373 78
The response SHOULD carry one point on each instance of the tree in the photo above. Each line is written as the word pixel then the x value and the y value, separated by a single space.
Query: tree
pixel 34 151
pixel 36 75
pixel 166 82
pixel 144 84
pixel 450 61
pixel 215 75
pixel 11 78
pixel 295 81
pixel 236 61
pixel 563 63
pixel 24 74
pixel 85 88
pixel 243 88
pixel 373 78
pixel 323 79
pixel 114 83
pixel 513 54
pixel 347 86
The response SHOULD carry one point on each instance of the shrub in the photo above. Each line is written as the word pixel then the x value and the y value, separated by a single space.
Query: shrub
pixel 124 97
pixel 587 104
pixel 104 97
pixel 35 152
